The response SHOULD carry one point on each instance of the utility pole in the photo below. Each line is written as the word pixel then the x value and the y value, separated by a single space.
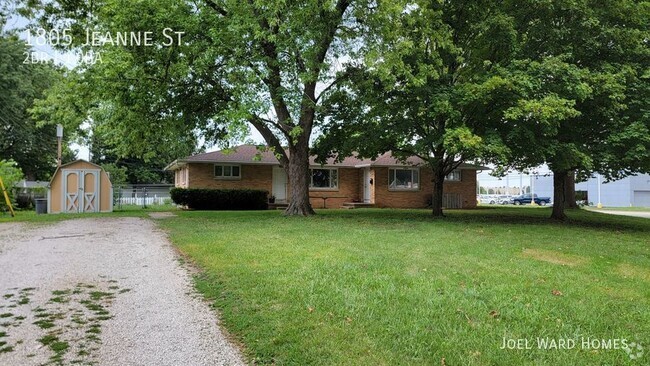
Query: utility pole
pixel 532 189
pixel 599 205
pixel 59 137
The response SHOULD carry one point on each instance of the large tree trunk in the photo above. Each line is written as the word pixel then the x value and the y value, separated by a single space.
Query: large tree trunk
pixel 559 191
pixel 436 199
pixel 298 173
pixel 570 190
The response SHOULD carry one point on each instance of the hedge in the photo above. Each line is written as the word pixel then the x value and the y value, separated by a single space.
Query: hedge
pixel 220 199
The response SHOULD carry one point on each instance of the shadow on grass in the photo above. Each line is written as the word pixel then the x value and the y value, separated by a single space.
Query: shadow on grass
pixel 501 216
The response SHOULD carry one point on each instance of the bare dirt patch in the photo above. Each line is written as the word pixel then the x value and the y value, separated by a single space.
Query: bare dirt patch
pixel 555 257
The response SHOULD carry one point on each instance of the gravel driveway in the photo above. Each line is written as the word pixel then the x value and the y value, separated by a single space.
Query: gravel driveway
pixel 103 291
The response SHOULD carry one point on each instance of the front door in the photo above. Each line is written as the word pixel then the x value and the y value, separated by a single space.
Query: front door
pixel 279 184
pixel 366 185
pixel 80 191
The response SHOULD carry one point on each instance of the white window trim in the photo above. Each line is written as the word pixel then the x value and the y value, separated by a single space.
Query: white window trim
pixel 222 177
pixel 460 176
pixel 405 189
pixel 311 180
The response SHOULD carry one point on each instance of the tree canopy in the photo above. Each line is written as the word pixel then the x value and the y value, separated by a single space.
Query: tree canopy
pixel 239 64
pixel 431 85
pixel 31 145
pixel 584 107
pixel 516 83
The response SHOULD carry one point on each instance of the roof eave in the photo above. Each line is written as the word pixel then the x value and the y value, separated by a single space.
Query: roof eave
pixel 175 165
pixel 231 162
pixel 474 167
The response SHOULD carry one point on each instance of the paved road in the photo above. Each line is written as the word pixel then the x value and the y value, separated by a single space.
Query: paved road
pixel 102 291
pixel 626 213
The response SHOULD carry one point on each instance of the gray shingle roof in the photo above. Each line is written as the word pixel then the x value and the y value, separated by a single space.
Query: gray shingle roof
pixel 250 154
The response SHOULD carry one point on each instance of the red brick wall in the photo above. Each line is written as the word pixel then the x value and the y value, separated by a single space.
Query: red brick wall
pixel 347 191
pixel 252 177
pixel 418 199
pixel 466 188
pixel 350 186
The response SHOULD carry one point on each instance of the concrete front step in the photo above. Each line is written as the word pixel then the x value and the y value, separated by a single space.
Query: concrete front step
pixel 352 205
pixel 278 206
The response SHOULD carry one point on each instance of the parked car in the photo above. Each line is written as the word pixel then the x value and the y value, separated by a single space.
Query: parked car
pixel 525 199
pixel 504 200
pixel 488 199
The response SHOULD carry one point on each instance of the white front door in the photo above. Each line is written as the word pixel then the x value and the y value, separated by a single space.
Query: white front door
pixel 366 185
pixel 279 184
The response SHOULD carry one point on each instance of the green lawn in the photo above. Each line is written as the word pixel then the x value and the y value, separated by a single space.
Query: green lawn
pixel 385 287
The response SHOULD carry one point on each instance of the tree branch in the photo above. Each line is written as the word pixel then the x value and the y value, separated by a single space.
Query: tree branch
pixel 274 80
pixel 216 7
pixel 270 138
pixel 332 84
pixel 309 100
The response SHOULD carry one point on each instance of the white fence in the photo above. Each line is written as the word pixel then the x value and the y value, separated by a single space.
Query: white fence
pixel 143 201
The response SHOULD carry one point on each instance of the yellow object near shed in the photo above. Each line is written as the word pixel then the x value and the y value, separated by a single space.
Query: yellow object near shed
pixel 80 186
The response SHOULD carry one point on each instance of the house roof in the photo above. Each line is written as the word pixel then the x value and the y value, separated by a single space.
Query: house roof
pixel 30 184
pixel 240 154
pixel 249 154
pixel 388 160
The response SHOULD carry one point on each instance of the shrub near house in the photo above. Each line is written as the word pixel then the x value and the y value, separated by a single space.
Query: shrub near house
pixel 220 199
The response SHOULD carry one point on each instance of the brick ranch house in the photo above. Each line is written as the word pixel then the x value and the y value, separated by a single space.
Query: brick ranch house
pixel 382 182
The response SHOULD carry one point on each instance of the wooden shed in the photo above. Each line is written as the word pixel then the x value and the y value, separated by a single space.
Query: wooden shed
pixel 80 186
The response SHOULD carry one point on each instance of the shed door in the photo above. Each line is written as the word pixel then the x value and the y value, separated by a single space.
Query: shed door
pixel 71 189
pixel 90 190
pixel 80 191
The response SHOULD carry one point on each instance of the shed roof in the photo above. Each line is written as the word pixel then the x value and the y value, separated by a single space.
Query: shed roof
pixel 72 163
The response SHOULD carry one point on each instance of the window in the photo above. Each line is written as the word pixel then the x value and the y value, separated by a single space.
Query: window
pixel 324 178
pixel 227 171
pixel 454 176
pixel 408 179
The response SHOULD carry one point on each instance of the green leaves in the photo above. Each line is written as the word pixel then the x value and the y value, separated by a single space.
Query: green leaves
pixel 546 112
pixel 461 141
pixel 11 174
pixel 31 145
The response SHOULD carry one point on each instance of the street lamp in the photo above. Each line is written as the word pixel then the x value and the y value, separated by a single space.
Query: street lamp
pixel 59 137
